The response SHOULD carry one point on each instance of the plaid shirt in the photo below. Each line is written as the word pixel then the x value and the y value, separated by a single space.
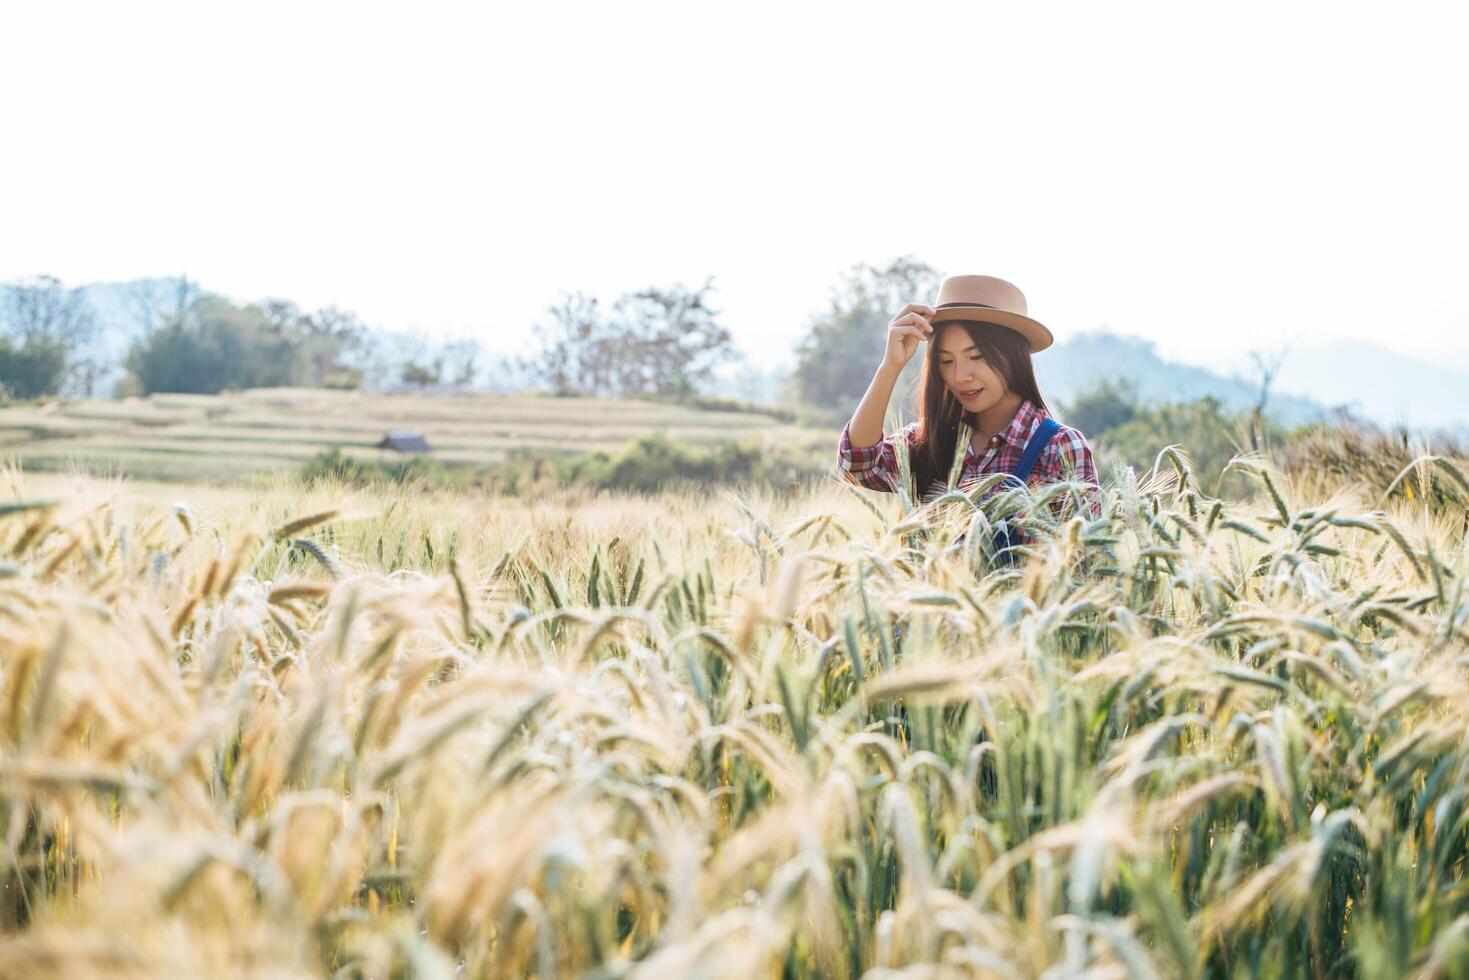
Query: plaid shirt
pixel 1067 456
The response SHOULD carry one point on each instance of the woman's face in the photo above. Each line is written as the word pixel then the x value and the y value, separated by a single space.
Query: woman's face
pixel 965 370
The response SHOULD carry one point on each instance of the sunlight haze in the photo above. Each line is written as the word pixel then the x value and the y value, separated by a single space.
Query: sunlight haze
pixel 1209 179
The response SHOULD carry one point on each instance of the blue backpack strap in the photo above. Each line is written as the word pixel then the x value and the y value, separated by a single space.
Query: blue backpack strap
pixel 1037 443
pixel 1039 439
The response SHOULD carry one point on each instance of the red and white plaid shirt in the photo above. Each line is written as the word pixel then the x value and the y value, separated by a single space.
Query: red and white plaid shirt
pixel 1067 456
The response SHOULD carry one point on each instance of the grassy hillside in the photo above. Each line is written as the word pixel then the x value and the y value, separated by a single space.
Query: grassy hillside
pixel 206 438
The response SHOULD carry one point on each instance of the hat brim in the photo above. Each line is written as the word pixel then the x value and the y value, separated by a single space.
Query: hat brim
pixel 1033 331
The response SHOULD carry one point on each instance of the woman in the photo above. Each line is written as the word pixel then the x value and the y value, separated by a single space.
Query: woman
pixel 977 370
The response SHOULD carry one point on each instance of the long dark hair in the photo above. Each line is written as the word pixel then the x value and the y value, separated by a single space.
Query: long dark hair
pixel 940 412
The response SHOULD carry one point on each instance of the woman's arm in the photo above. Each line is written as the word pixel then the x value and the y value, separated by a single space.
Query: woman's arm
pixel 875 466
pixel 865 426
pixel 864 456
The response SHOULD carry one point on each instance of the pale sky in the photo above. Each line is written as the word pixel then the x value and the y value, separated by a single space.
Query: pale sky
pixel 1210 177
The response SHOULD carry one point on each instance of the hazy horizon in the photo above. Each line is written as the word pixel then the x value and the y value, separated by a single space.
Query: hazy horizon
pixel 1210 182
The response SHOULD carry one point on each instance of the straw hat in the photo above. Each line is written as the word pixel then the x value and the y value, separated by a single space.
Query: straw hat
pixel 989 300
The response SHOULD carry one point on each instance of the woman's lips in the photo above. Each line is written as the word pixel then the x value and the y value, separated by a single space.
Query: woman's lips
pixel 971 393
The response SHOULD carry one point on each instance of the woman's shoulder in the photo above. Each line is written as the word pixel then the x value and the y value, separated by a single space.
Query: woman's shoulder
pixel 1069 452
pixel 1067 441
pixel 1069 431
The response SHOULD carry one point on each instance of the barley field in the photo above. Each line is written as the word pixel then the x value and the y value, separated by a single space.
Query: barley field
pixel 321 732
pixel 223 438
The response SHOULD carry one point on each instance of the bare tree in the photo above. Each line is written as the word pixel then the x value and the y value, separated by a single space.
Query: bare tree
pixel 653 341
pixel 507 374
pixel 1268 363
pixel 459 362
pixel 46 332
pixel 155 303
pixel 577 347
pixel 393 358
pixel 670 340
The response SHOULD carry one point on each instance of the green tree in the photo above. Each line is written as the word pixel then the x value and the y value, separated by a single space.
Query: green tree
pixel 31 368
pixel 843 345
pixel 1209 434
pixel 1106 406
pixel 332 341
pixel 45 329
pixel 418 375
pixel 217 345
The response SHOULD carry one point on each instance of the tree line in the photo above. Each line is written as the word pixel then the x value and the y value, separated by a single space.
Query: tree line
pixel 656 341
pixel 196 342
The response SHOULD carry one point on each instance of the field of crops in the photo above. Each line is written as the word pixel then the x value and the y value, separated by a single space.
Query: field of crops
pixel 366 733
pixel 220 438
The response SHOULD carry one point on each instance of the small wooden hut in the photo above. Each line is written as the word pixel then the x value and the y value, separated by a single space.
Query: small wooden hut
pixel 405 442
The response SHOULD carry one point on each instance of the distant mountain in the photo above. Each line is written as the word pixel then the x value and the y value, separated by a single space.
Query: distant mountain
pixel 1087 359
pixel 1374 383
pixel 1380 385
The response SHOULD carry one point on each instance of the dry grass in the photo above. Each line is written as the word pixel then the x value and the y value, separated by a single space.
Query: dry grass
pixel 358 734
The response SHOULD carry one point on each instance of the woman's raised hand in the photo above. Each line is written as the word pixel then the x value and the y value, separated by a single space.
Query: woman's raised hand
pixel 905 331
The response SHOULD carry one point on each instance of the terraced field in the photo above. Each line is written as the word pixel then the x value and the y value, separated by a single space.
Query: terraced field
pixel 221 438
